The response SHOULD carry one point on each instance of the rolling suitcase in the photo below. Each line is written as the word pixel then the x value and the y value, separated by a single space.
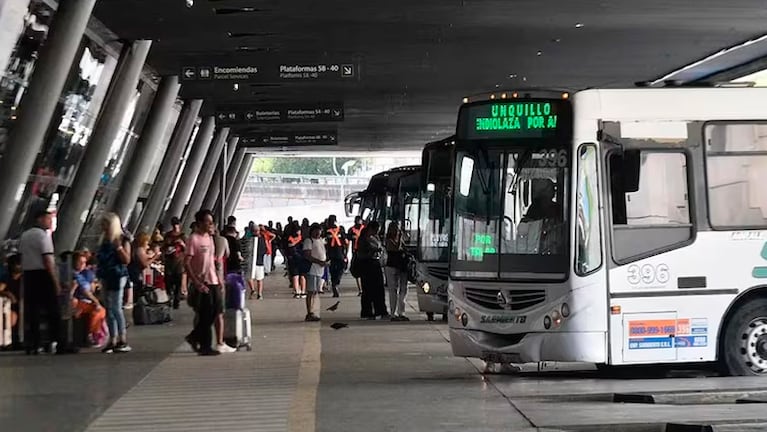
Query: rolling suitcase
pixel 237 331
pixel 6 330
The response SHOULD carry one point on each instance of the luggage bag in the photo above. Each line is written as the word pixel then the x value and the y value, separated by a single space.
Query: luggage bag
pixel 6 330
pixel 237 331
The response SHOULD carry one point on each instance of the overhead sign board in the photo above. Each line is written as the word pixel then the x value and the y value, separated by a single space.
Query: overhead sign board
pixel 514 119
pixel 280 113
pixel 269 72
pixel 289 139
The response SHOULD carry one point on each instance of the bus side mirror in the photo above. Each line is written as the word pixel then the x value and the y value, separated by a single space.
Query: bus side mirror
pixel 632 161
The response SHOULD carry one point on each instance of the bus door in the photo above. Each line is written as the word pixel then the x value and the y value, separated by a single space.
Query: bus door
pixel 648 224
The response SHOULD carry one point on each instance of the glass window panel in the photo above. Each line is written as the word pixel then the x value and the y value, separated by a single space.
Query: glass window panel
pixel 736 172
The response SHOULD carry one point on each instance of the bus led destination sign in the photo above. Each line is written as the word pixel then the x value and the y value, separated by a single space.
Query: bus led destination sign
pixel 518 116
pixel 513 119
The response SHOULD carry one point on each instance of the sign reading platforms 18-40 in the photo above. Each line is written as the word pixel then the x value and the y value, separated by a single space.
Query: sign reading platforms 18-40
pixel 538 118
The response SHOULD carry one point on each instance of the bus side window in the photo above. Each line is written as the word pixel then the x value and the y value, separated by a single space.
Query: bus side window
pixel 650 202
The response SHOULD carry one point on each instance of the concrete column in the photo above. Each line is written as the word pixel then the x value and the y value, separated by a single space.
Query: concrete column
pixel 37 107
pixel 205 176
pixel 239 185
pixel 192 169
pixel 74 208
pixel 215 186
pixel 169 166
pixel 231 175
pixel 137 168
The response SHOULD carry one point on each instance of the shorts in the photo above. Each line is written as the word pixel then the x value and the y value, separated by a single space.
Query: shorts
pixel 313 283
pixel 258 273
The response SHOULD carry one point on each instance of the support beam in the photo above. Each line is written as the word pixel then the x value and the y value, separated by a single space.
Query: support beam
pixel 239 184
pixel 136 169
pixel 191 169
pixel 215 186
pixel 77 202
pixel 169 166
pixel 39 104
pixel 205 175
pixel 231 176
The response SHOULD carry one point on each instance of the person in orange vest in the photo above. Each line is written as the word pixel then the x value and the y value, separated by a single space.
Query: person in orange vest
pixel 335 236
pixel 353 238
pixel 268 237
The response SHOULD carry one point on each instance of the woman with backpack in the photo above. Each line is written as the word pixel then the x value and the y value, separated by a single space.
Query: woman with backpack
pixel 371 255
pixel 114 254
pixel 396 272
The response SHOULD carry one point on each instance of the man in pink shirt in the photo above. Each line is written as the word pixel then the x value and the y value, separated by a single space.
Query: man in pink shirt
pixel 200 263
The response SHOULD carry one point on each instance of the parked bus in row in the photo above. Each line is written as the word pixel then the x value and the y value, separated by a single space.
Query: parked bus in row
pixel 618 227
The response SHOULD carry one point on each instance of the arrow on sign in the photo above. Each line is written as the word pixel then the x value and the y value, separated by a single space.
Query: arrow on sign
pixel 347 70
pixel 336 113
pixel 189 72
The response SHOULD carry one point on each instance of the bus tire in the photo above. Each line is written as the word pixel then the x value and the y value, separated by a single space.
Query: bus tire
pixel 744 341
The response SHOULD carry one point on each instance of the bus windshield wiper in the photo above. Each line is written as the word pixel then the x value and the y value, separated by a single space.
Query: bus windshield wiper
pixel 518 165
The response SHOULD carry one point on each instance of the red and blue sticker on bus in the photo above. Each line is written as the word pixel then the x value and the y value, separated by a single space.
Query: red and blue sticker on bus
pixel 668 333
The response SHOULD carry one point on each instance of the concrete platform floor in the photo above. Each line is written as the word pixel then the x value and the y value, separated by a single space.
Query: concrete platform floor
pixel 370 376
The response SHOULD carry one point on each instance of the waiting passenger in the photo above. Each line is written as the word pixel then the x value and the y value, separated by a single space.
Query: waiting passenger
pixel 41 277
pixel 10 288
pixel 173 250
pixel 200 266
pixel 113 258
pixel 314 252
pixel 85 302
pixel 396 272
pixel 370 256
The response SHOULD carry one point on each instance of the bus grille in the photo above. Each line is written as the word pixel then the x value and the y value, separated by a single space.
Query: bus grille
pixel 516 300
pixel 437 272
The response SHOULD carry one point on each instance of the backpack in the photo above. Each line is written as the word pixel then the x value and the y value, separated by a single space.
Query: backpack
pixel 110 268
pixel 304 265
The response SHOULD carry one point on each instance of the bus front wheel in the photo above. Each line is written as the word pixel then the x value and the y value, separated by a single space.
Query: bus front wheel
pixel 429 316
pixel 744 349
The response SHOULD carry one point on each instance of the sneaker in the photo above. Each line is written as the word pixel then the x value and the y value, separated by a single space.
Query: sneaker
pixel 395 318
pixel 308 317
pixel 109 349
pixel 224 349
pixel 303 295
pixel 312 318
pixel 192 343
pixel 260 297
pixel 385 316
pixel 209 352
pixel 122 347
pixel 403 318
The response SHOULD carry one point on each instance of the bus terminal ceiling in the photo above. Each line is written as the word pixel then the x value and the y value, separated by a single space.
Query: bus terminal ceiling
pixel 414 60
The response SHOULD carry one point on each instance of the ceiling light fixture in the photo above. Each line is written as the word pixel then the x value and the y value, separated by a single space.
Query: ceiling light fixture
pixel 189 3
pixel 579 25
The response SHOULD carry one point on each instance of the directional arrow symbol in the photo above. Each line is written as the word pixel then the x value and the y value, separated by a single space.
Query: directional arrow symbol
pixel 347 70
pixel 189 72
pixel 336 113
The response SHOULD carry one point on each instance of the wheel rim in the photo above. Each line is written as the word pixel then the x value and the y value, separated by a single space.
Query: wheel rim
pixel 754 347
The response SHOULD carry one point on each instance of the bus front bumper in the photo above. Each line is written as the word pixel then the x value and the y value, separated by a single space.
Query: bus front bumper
pixel 589 347
pixel 432 303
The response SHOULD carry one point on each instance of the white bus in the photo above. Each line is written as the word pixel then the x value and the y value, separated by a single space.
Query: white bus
pixel 617 227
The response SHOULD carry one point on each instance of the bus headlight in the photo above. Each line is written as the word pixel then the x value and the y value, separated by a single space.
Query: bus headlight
pixel 426 287
pixel 565 310
pixel 457 313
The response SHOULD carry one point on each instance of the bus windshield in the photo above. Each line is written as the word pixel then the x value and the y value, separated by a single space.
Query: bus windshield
pixel 434 224
pixel 510 213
